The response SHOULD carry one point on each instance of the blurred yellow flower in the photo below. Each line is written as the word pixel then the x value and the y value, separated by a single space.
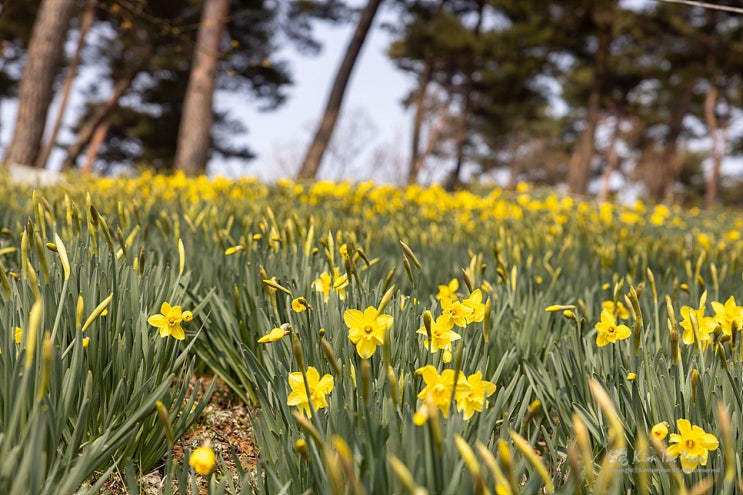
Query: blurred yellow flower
pixel 86 342
pixel 300 304
pixel 18 335
pixel 471 393
pixel 324 284
pixel 202 460
pixel 169 321
pixel 691 445
pixel 439 386
pixel 659 430
pixel 300 447
pixel 620 309
pixel 442 335
pixel 705 326
pixel 273 336
pixel 474 302
pixel 456 312
pixel 609 331
pixel 448 291
pixel 366 329
pixel 727 314
pixel 319 388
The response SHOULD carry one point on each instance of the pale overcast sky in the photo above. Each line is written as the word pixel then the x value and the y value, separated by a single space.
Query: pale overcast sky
pixel 374 114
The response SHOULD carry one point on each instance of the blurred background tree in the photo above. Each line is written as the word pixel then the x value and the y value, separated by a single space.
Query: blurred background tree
pixel 577 93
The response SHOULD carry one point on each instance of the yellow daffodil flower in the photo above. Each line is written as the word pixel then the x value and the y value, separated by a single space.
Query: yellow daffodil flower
pixel 202 460
pixel 338 283
pixel 471 393
pixel 620 310
pixel 319 388
pixel 442 335
pixel 609 331
pixel 705 326
pixel 475 303
pixel 727 314
pixel 169 321
pixel 300 304
pixel 659 430
pixel 456 312
pixel 691 445
pixel 439 386
pixel 366 330
pixel 448 291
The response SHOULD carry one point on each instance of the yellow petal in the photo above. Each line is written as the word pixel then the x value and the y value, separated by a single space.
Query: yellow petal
pixel 158 321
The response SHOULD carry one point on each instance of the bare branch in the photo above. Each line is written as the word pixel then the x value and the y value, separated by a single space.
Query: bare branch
pixel 706 5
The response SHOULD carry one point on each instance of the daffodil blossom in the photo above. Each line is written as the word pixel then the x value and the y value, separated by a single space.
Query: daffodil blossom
pixel 609 331
pixel 448 291
pixel 169 321
pixel 659 430
pixel 471 394
pixel 442 335
pixel 727 314
pixel 705 326
pixel 319 388
pixel 691 445
pixel 338 283
pixel 474 302
pixel 439 386
pixel 620 310
pixel 456 312
pixel 366 329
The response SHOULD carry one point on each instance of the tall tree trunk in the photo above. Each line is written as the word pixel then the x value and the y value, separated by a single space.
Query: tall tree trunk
pixel 462 135
pixel 195 131
pixel 612 158
pixel 416 161
pixel 35 91
pixel 87 21
pixel 324 132
pixel 104 111
pixel 99 136
pixel 718 146
pixel 580 161
pixel 670 166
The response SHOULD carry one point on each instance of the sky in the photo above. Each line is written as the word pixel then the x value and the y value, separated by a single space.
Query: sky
pixel 373 119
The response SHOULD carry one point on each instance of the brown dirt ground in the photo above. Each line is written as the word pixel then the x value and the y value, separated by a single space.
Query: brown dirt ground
pixel 225 424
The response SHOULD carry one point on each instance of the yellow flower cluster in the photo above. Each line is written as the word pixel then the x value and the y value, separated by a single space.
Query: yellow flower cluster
pixel 728 318
pixel 469 392
pixel 691 445
pixel 440 333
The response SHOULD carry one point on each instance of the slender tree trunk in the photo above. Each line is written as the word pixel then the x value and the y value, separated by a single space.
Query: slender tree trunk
pixel 195 131
pixel 718 146
pixel 416 161
pixel 670 166
pixel 103 112
pixel 612 158
pixel 36 87
pixel 99 136
pixel 463 128
pixel 87 21
pixel 324 132
pixel 580 162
